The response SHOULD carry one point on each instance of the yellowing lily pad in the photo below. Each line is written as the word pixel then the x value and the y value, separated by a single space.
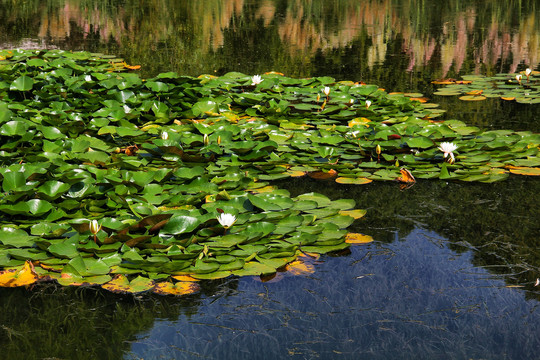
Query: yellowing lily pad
pixel 296 173
pixel 312 256
pixel 184 278
pixel 323 175
pixel 354 238
pixel 475 92
pixel 356 213
pixel 121 284
pixel 359 121
pixel 266 189
pixel 444 82
pixel 26 275
pixel 179 288
pixel 353 181
pixel 472 97
pixel 300 267
pixel 522 170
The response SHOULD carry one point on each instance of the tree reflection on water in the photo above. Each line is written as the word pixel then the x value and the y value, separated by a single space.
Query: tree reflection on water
pixel 194 36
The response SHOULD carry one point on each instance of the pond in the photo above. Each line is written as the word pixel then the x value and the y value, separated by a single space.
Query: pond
pixel 453 268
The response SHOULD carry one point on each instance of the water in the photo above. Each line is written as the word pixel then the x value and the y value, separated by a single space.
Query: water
pixel 406 300
pixel 452 271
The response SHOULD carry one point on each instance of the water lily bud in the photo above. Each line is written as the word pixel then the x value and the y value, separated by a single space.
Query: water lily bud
pixel 206 140
pixel 94 227
pixel 518 78
pixel 318 97
pixel 368 104
pixel 378 149
pixel 219 139
pixel 397 163
pixel 326 90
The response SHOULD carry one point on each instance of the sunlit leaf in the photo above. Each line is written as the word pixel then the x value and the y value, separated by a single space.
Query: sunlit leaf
pixel 353 238
pixel 184 278
pixel 356 213
pixel 296 173
pixel 180 224
pixel 406 176
pixel 22 83
pixel 323 175
pixel 178 289
pixel 354 181
pixel 25 275
pixel 521 170
pixel 300 267
pixel 121 284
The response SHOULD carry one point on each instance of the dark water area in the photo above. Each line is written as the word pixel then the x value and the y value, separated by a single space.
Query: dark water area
pixel 452 271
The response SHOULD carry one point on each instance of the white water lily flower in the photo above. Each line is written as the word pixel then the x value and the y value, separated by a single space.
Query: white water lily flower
pixel 326 90
pixel 94 227
pixel 368 104
pixel 164 135
pixel 518 78
pixel 448 148
pixel 257 79
pixel 528 72
pixel 226 220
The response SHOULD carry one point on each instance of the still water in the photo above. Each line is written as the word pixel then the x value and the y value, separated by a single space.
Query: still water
pixel 451 274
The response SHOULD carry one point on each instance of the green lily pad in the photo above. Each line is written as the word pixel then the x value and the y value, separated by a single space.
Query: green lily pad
pixel 180 224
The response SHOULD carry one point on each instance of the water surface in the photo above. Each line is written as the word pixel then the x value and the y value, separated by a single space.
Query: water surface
pixel 452 271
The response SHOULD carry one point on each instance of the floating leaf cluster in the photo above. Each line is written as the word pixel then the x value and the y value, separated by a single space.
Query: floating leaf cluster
pixel 523 87
pixel 156 161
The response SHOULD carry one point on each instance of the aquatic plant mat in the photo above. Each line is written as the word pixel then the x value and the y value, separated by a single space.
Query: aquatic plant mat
pixel 523 87
pixel 116 181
